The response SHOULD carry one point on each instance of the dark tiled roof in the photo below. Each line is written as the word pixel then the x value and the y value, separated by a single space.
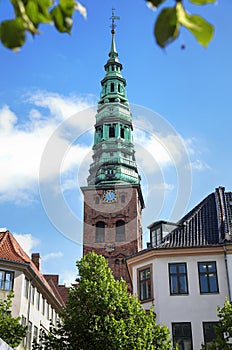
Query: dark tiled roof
pixel 209 223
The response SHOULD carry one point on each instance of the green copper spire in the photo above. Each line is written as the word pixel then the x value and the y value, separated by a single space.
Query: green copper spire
pixel 113 157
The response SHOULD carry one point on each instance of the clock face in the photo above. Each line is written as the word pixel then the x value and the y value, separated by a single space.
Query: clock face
pixel 109 196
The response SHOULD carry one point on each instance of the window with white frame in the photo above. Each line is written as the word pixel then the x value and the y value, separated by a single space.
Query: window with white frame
pixel 24 323
pixel 26 287
pixel 6 280
pixel 29 335
pixel 32 294
pixel 37 299
pixel 35 334
pixel 43 305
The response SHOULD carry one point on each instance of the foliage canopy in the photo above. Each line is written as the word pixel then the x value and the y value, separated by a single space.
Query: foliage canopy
pixel 11 331
pixel 101 314
pixel 29 14
pixel 223 330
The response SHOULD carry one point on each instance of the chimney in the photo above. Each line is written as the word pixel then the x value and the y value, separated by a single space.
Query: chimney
pixel 35 257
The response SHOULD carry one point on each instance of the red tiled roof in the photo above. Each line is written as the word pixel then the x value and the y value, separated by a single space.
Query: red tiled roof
pixel 12 251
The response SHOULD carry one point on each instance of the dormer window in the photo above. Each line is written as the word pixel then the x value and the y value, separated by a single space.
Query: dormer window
pixel 156 236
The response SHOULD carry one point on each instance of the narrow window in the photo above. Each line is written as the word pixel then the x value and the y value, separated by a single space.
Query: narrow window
pixel 35 334
pixel 208 277
pixel 122 133
pixel 182 335
pixel 29 335
pixel 24 323
pixel 6 280
pixel 38 300
pixel 120 231
pixel 112 131
pixel 178 278
pixel 41 333
pixel 48 310
pixel 112 87
pixel 26 287
pixel 97 200
pixel 99 134
pixel 209 331
pixel 43 306
pixel 119 88
pixel 123 198
pixel 32 294
pixel 100 232
pixel 145 284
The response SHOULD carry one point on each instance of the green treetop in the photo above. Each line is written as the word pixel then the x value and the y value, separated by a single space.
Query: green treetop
pixel 101 314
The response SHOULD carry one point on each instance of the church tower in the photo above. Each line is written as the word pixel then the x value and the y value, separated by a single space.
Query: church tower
pixel 113 200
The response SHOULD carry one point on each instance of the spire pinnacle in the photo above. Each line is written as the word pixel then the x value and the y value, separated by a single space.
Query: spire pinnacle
pixel 113 18
pixel 113 52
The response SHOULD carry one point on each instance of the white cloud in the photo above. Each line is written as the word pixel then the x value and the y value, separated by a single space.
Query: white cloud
pixel 27 241
pixel 68 277
pixel 199 165
pixel 54 255
pixel 22 142
pixel 155 151
pixel 63 107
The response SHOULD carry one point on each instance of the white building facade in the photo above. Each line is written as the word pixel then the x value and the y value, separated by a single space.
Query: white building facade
pixel 186 272
pixel 37 299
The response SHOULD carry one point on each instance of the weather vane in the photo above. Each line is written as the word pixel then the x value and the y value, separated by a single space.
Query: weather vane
pixel 113 18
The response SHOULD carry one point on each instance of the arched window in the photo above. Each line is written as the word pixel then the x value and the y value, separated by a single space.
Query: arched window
pixel 112 87
pixel 100 232
pixel 120 231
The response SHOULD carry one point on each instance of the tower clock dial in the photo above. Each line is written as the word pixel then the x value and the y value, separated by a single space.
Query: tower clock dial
pixel 109 196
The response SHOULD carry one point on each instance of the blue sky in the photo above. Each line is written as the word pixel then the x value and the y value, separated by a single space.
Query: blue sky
pixel 181 102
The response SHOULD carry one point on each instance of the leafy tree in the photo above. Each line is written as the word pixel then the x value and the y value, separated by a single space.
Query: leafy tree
pixel 171 19
pixel 223 330
pixel 101 314
pixel 11 331
pixel 29 14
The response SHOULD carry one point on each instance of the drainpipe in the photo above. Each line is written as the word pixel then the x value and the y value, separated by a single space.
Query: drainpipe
pixel 227 271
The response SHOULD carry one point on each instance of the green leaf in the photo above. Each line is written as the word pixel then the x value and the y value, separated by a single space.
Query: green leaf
pixel 166 27
pixel 197 25
pixel 67 6
pixel 62 22
pixel 202 2
pixel 36 13
pixel 12 33
pixel 154 3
